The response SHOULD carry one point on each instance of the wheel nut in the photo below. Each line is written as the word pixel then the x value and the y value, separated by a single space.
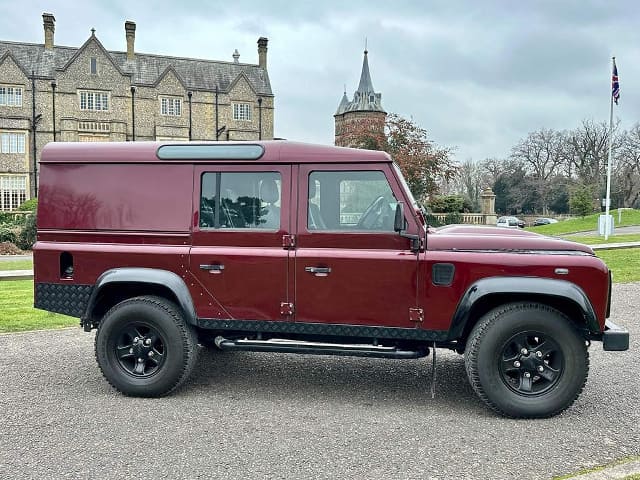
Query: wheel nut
pixel 539 354
pixel 135 340
pixel 541 368
pixel 141 360
pixel 524 351
pixel 527 374
pixel 151 355
pixel 516 364
pixel 147 341
pixel 131 350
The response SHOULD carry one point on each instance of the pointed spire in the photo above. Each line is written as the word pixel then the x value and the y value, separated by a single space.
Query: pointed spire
pixel 344 103
pixel 364 98
pixel 365 85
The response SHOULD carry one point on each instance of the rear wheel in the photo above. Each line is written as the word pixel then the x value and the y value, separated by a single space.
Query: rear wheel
pixel 144 347
pixel 526 360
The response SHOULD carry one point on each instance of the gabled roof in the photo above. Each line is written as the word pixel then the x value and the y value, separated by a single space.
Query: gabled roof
pixel 166 72
pixel 7 55
pixel 90 40
pixel 144 69
pixel 365 99
pixel 237 79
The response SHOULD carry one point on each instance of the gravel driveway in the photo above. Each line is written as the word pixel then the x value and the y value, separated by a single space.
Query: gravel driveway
pixel 251 415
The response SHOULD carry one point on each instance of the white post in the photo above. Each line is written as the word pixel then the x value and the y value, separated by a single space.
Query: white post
pixel 607 221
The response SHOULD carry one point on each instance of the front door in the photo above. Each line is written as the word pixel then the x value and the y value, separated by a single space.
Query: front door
pixel 350 265
pixel 238 258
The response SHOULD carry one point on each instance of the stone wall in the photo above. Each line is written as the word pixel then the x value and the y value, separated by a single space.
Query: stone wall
pixel 116 124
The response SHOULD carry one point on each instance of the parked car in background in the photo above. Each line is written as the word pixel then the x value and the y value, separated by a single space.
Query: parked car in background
pixel 510 222
pixel 544 221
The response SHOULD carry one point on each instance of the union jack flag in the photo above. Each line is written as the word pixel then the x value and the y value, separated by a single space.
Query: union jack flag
pixel 615 84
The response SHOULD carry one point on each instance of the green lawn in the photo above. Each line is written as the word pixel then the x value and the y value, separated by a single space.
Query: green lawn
pixel 16 264
pixel 588 223
pixel 625 264
pixel 17 313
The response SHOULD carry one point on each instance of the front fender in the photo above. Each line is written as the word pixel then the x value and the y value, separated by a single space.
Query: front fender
pixel 530 286
pixel 144 276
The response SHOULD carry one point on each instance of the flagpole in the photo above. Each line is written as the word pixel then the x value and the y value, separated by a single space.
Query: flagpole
pixel 607 221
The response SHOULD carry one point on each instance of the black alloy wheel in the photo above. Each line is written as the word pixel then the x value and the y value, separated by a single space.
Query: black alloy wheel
pixel 526 360
pixel 140 350
pixel 144 347
pixel 531 364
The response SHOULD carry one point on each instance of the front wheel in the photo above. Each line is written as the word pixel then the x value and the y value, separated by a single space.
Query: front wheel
pixel 526 360
pixel 144 347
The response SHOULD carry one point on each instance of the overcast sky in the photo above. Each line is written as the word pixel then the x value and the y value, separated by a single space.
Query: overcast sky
pixel 477 75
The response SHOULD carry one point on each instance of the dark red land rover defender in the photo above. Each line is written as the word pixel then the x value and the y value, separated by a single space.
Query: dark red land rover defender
pixel 287 247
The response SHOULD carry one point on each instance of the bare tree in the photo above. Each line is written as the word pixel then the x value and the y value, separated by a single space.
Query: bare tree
pixel 543 153
pixel 627 168
pixel 468 182
pixel 589 151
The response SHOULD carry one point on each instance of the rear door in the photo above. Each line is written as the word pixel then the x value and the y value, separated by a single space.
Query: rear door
pixel 350 266
pixel 238 258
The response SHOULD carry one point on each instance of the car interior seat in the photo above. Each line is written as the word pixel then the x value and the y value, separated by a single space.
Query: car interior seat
pixel 269 195
pixel 315 221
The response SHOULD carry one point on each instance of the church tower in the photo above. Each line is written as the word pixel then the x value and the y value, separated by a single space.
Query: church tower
pixel 365 110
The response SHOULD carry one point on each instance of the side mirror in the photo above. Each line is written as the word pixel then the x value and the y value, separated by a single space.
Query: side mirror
pixel 399 224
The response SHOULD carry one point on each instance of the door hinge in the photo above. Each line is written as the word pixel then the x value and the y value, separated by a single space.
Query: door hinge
pixel 286 308
pixel 288 241
pixel 416 315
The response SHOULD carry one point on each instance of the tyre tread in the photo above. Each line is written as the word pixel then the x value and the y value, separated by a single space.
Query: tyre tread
pixel 188 334
pixel 473 345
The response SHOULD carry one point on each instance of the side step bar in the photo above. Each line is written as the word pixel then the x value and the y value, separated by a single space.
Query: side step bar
pixel 318 348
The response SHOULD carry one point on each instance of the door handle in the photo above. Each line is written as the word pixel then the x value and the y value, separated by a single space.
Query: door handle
pixel 215 269
pixel 318 271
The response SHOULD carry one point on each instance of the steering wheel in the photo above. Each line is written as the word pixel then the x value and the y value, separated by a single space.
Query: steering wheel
pixel 372 214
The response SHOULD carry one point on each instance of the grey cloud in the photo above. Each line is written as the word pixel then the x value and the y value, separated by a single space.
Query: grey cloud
pixel 476 75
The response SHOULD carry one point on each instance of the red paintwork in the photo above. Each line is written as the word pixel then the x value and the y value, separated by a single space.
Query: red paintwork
pixel 115 197
pixel 276 151
pixel 117 205
pixel 495 238
pixel 482 230
pixel 254 280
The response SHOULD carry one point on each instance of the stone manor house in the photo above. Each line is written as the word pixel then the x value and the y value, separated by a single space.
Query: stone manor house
pixel 88 94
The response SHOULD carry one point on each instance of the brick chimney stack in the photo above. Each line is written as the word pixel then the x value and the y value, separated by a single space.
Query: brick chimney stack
pixel 49 22
pixel 262 52
pixel 130 32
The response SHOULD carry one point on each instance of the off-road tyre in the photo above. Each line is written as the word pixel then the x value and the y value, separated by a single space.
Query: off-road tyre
pixel 145 348
pixel 494 349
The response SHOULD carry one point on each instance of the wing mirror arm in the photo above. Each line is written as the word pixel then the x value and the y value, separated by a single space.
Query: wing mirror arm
pixel 400 225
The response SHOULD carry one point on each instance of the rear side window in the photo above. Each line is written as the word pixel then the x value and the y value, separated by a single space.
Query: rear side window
pixel 240 200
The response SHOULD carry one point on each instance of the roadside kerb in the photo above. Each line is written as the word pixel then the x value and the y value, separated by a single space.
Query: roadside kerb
pixel 617 471
pixel 615 246
pixel 16 275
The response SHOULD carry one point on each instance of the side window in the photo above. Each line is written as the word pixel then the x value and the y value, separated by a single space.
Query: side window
pixel 350 200
pixel 245 200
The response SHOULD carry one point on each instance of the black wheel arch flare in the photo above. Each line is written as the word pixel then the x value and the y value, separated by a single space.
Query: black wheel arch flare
pixel 144 279
pixel 493 291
